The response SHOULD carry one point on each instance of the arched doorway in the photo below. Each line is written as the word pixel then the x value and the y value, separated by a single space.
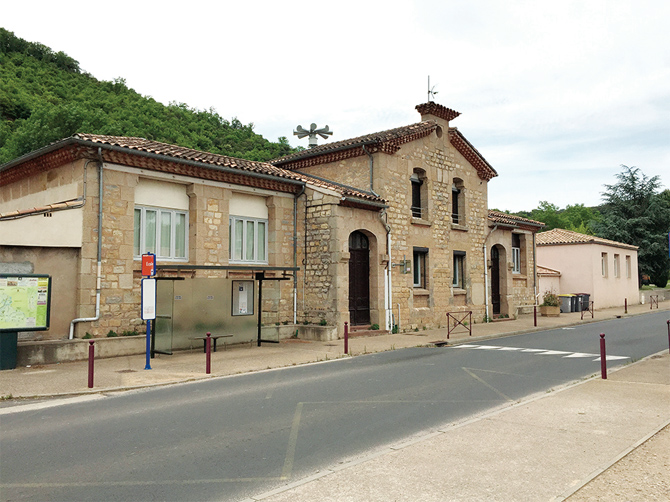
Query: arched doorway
pixel 359 279
pixel 495 280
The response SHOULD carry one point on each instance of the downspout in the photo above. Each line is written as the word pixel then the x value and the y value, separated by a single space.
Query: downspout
pixel 486 274
pixel 99 277
pixel 295 254
pixel 534 271
pixel 388 296
pixel 371 168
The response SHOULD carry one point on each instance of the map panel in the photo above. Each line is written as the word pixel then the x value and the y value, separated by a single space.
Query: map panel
pixel 24 302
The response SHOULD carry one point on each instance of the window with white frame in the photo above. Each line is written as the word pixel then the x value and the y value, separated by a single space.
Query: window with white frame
pixel 161 231
pixel 516 253
pixel 603 263
pixel 459 270
pixel 248 240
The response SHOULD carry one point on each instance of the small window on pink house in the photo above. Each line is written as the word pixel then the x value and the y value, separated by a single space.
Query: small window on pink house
pixel 603 263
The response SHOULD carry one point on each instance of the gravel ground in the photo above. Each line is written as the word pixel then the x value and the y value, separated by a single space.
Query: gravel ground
pixel 643 474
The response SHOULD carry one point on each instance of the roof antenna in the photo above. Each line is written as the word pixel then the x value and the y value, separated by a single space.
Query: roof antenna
pixel 431 91
pixel 324 132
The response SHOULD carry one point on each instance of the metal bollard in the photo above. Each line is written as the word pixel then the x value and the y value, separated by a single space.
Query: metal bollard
pixel 668 335
pixel 346 337
pixel 91 358
pixel 603 357
pixel 208 350
pixel 534 315
pixel 625 306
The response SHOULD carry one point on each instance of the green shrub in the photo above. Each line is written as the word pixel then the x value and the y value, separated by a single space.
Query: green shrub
pixel 323 322
pixel 112 334
pixel 374 326
pixel 549 299
pixel 87 336
pixel 129 333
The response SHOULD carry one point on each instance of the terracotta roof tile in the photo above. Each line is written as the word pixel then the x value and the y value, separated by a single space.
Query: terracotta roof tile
pixel 509 219
pixel 547 271
pixel 559 236
pixel 440 111
pixel 388 141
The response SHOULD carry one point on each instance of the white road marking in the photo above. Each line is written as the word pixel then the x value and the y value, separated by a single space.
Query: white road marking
pixel 541 352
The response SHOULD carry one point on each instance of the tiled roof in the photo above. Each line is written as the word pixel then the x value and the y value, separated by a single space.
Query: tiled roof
pixel 385 141
pixel 546 271
pixel 440 111
pixel 559 236
pixel 499 218
pixel 154 155
pixel 465 148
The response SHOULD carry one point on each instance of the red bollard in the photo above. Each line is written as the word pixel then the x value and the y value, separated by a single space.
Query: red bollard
pixel 534 315
pixel 208 350
pixel 346 337
pixel 625 306
pixel 91 357
pixel 603 357
pixel 668 335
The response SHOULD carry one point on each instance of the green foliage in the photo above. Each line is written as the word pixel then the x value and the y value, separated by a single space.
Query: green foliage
pixel 111 334
pixel 129 333
pixel 374 327
pixel 44 97
pixel 322 322
pixel 577 218
pixel 87 336
pixel 636 212
pixel 549 299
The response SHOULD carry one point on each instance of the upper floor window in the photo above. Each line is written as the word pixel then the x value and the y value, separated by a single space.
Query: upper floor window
pixel 516 253
pixel 616 265
pixel 419 198
pixel 248 240
pixel 603 264
pixel 161 231
pixel 458 202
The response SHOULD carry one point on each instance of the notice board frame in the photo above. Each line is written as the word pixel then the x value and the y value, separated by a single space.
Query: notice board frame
pixel 18 277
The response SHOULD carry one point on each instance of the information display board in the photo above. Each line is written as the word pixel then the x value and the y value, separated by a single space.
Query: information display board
pixel 25 302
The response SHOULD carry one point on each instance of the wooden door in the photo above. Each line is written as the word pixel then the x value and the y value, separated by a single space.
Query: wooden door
pixel 359 279
pixel 495 280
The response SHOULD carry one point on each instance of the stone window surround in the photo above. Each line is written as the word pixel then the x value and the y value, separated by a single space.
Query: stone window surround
pixel 139 243
pixel 459 271
pixel 420 259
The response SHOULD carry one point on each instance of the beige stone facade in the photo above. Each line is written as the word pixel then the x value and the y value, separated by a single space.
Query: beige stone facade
pixel 390 229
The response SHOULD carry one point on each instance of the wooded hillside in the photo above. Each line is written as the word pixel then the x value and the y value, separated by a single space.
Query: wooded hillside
pixel 45 96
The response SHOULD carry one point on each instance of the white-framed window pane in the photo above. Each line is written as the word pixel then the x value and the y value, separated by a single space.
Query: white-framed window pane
pixel 166 233
pixel 417 270
pixel 239 239
pixel 249 241
pixel 260 240
pixel 180 236
pixel 516 260
pixel 137 230
pixel 149 231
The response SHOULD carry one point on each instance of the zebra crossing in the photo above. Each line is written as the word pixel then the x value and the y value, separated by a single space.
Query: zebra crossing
pixel 541 352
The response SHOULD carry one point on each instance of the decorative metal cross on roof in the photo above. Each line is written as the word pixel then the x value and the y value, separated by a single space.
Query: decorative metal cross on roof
pixel 312 133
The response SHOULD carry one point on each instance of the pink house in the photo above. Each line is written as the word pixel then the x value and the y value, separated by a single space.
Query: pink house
pixel 606 270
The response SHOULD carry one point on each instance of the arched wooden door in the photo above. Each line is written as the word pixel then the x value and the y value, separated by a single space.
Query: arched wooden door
pixel 359 279
pixel 495 280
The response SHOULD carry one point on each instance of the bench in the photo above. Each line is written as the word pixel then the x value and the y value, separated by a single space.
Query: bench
pixel 214 339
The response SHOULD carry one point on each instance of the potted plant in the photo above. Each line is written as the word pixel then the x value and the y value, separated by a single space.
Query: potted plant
pixel 550 306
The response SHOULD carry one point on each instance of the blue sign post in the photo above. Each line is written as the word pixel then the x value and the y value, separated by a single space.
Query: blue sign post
pixel 148 298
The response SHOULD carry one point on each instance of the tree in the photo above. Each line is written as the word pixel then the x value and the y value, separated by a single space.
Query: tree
pixel 635 212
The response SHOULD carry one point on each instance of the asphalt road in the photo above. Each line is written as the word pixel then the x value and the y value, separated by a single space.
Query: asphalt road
pixel 229 438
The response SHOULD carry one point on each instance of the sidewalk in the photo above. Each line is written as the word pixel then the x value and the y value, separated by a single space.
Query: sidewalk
pixel 543 448
pixel 127 372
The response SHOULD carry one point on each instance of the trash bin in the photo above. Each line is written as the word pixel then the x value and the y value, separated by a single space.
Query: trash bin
pixel 567 303
pixel 583 301
pixel 8 349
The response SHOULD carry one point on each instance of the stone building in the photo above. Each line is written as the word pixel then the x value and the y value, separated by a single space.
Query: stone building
pixel 437 240
pixel 390 228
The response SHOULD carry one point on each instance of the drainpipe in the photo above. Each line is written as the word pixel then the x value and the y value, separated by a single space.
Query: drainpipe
pixel 486 274
pixel 295 254
pixel 534 271
pixel 371 164
pixel 388 296
pixel 99 277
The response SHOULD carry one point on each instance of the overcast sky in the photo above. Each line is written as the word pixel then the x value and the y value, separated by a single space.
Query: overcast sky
pixel 556 95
